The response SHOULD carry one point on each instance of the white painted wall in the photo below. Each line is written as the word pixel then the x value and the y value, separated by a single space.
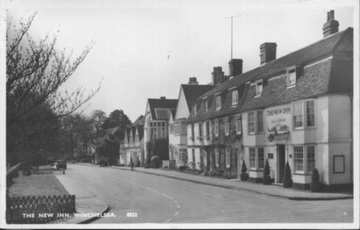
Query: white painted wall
pixel 182 109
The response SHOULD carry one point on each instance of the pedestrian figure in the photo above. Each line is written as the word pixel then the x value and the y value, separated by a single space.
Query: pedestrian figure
pixel 131 164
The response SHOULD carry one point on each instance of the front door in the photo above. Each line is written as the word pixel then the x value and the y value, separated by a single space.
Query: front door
pixel 281 162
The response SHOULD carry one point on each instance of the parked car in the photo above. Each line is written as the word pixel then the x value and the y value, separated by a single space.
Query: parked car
pixel 103 163
pixel 60 164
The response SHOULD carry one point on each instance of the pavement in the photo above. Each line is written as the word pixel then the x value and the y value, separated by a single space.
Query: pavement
pixel 137 197
pixel 87 204
pixel 237 184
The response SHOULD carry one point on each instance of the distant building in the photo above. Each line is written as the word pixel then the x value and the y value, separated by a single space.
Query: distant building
pixel 296 109
pixel 157 115
pixel 188 93
pixel 132 146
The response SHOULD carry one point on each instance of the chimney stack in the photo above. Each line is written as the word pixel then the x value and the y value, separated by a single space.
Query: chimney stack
pixel 267 52
pixel 193 81
pixel 218 75
pixel 235 67
pixel 163 98
pixel 331 26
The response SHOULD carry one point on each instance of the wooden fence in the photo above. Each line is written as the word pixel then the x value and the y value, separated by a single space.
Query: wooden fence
pixel 39 209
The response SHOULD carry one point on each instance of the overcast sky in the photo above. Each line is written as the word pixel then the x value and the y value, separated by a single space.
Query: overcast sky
pixel 147 48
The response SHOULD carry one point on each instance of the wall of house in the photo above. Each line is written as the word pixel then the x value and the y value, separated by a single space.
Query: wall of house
pixel 182 110
pixel 331 136
pixel 340 137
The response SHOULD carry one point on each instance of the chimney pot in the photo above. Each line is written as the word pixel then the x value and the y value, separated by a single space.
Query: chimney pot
pixel 235 67
pixel 193 81
pixel 267 52
pixel 331 25
pixel 218 75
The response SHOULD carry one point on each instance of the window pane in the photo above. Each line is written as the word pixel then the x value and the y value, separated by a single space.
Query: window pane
pixel 260 158
pixel 299 158
pixel 235 96
pixel 252 157
pixel 238 125
pixel 310 158
pixel 310 113
pixel 298 115
pixel 259 117
pixel 218 102
pixel 251 122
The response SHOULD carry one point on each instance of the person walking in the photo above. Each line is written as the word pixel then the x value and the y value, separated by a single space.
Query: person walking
pixel 131 164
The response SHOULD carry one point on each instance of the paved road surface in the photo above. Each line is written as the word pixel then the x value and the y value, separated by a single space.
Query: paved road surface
pixel 159 199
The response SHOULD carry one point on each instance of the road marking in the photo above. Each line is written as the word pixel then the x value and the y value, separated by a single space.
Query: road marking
pixel 177 204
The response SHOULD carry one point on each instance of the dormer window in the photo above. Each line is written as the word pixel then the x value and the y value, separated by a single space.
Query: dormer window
pixel 258 88
pixel 291 78
pixel 218 102
pixel 206 105
pixel 234 97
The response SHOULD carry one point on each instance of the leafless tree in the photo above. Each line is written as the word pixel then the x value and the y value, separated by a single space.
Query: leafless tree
pixel 35 72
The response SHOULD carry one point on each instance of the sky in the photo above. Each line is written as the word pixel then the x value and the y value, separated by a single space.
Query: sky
pixel 147 48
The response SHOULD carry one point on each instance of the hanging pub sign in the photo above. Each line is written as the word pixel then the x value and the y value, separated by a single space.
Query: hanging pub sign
pixel 277 122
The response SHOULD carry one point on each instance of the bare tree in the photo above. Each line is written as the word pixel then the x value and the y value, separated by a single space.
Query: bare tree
pixel 35 72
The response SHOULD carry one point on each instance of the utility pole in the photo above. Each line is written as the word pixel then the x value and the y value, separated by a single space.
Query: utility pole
pixel 231 39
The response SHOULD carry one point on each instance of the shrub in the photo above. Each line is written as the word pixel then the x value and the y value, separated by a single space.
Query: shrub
pixel 244 176
pixel 315 185
pixel 267 179
pixel 287 177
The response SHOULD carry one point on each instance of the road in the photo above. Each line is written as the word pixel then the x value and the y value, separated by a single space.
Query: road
pixel 156 199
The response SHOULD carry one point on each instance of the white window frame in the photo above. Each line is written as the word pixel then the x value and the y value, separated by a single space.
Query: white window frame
pixel 291 78
pixel 252 166
pixel 305 159
pixel 259 85
pixel 227 126
pixel 303 105
pixel 296 170
pixel 238 124
pixel 234 97
pixel 216 127
pixel 253 121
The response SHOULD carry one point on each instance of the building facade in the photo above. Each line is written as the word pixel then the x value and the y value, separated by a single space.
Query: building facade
pixel 188 93
pixel 132 148
pixel 296 110
pixel 156 127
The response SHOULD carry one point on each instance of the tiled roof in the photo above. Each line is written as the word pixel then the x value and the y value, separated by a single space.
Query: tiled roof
pixel 332 76
pixel 192 92
pixel 139 121
pixel 156 103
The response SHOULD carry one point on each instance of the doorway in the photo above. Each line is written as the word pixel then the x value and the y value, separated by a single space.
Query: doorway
pixel 280 162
